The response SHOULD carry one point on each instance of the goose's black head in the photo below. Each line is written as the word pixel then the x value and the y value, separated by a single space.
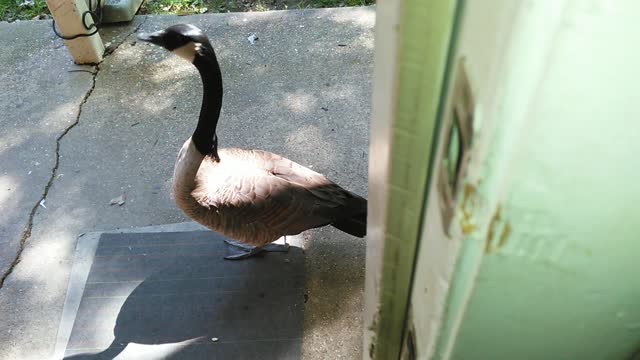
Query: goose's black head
pixel 184 40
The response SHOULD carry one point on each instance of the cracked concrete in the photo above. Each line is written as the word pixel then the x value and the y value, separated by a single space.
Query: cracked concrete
pixel 7 263
pixel 41 202
pixel 31 121
pixel 295 92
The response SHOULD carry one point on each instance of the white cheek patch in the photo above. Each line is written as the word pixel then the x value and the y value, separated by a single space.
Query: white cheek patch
pixel 188 51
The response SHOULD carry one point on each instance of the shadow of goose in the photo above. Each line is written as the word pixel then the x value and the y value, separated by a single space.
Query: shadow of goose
pixel 253 308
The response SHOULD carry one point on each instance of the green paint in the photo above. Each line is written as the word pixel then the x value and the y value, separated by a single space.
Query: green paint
pixel 560 280
pixel 424 43
pixel 468 258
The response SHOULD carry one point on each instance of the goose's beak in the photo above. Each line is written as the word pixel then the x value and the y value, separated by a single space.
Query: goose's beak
pixel 156 38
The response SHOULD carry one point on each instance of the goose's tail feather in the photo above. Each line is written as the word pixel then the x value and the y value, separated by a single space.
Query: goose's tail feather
pixel 355 225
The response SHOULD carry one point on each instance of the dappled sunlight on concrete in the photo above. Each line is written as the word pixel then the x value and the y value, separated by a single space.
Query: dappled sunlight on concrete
pixel 38 124
pixel 48 272
pixel 367 42
pixel 10 192
pixel 299 102
pixel 340 92
pixel 335 288
pixel 156 104
pixel 296 92
pixel 69 109
pixel 360 16
pixel 37 287
pixel 12 139
pixel 41 90
pixel 242 19
pixel 170 67
pixel 309 138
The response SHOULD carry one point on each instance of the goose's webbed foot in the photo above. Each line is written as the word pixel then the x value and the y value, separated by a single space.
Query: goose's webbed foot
pixel 246 251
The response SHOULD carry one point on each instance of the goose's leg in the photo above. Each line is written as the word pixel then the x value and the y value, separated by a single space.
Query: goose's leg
pixel 277 247
pixel 245 250
pixel 243 254
pixel 250 250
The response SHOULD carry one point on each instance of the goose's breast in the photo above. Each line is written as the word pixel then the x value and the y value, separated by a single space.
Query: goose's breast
pixel 232 175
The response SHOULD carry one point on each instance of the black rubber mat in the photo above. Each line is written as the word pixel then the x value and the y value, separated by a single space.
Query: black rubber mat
pixel 173 296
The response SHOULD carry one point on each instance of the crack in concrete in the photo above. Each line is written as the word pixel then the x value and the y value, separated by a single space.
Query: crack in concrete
pixel 26 234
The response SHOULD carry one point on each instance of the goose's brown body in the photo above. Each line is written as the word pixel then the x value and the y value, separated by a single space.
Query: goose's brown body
pixel 251 196
pixel 257 197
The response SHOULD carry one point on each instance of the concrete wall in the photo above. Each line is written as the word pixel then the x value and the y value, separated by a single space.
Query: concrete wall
pixel 552 192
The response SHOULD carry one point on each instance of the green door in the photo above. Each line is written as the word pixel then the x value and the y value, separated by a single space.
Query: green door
pixel 503 186
pixel 413 40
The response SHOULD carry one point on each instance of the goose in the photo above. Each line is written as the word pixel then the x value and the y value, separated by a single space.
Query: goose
pixel 252 197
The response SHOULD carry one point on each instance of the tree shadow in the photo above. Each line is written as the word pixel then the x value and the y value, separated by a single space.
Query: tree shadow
pixel 127 138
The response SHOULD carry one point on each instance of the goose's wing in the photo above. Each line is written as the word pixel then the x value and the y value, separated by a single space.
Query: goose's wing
pixel 317 184
pixel 282 196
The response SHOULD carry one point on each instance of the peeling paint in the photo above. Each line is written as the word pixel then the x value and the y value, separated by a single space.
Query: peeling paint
pixel 490 231
pixel 558 257
pixel 373 327
pixel 494 224
pixel 506 231
pixel 467 228
pixel 467 224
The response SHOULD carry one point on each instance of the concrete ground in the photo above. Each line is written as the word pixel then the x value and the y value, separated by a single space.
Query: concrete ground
pixel 74 137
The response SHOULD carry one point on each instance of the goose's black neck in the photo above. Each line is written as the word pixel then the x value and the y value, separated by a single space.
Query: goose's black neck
pixel 204 137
